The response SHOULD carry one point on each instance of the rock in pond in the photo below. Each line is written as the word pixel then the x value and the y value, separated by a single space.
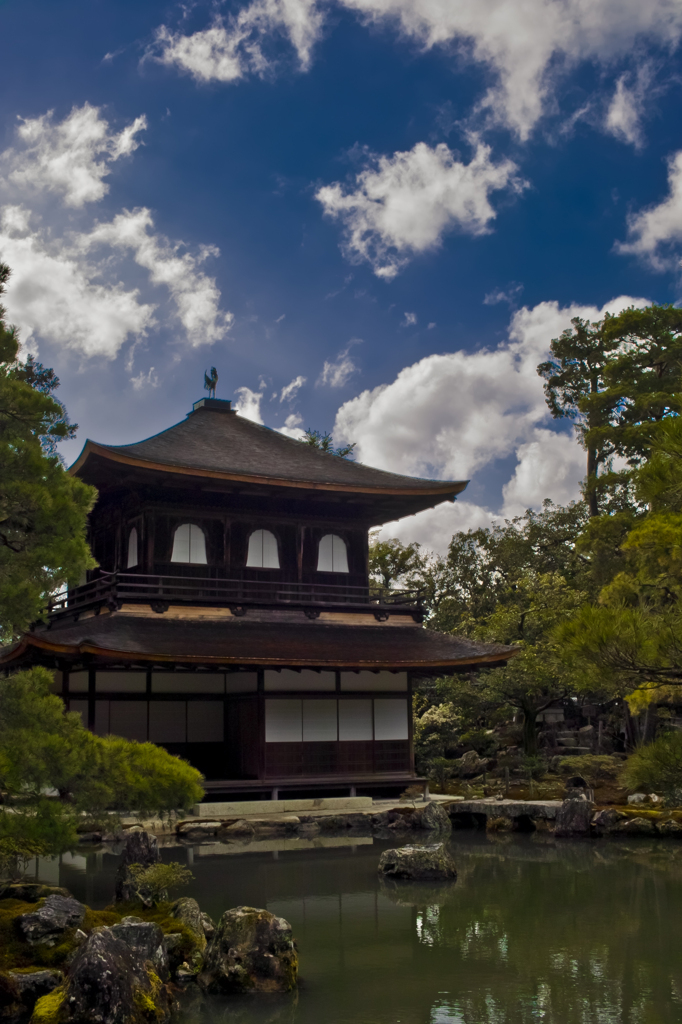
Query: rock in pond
pixel 251 951
pixel 573 818
pixel 49 922
pixel 420 863
pixel 606 818
pixel 208 925
pixel 33 985
pixel 188 912
pixel 107 984
pixel 140 848
pixel 434 817
pixel 634 827
pixel 670 828
pixel 146 942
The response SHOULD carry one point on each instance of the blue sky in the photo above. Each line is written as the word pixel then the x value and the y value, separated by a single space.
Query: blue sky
pixel 370 215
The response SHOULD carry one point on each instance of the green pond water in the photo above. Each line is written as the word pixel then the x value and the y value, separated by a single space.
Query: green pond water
pixel 564 932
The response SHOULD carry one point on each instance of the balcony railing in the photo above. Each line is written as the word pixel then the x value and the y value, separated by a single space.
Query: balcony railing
pixel 114 589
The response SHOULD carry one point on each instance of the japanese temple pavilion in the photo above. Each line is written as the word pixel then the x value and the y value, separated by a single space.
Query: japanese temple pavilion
pixel 231 618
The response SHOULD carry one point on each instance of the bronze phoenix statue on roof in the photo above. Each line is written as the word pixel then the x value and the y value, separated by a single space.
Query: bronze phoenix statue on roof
pixel 210 382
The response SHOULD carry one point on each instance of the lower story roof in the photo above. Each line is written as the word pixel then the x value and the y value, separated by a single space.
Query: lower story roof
pixel 129 638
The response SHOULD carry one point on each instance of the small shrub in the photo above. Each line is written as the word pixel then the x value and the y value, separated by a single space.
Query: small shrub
pixel 498 825
pixel 152 884
pixel 657 768
pixel 411 795
pixel 594 768
pixel 441 769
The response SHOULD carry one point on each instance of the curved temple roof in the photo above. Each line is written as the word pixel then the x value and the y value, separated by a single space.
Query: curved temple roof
pixel 241 642
pixel 214 441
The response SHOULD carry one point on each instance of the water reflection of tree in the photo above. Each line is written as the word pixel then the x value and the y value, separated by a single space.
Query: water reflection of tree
pixel 584 934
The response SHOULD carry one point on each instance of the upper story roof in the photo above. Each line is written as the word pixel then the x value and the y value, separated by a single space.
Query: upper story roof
pixel 215 443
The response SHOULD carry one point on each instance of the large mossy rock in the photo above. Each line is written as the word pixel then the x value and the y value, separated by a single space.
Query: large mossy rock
pixel 48 923
pixel 573 818
pixel 418 863
pixel 634 827
pixel 145 941
pixel 107 984
pixel 188 912
pixel 251 951
pixel 30 892
pixel 434 818
pixel 139 848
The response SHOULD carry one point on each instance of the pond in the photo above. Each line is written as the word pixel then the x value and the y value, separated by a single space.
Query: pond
pixel 572 932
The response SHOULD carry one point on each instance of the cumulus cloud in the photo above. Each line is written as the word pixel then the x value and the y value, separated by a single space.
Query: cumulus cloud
pixel 72 157
pixel 403 204
pixel 653 232
pixel 248 404
pixel 289 392
pixel 338 373
pixel 196 296
pixel 292 427
pixel 525 45
pixel 456 414
pixel 66 286
pixel 55 294
pixel 230 50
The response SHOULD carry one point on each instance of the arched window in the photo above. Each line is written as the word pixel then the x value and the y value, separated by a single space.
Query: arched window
pixel 132 548
pixel 189 544
pixel 332 554
pixel 263 553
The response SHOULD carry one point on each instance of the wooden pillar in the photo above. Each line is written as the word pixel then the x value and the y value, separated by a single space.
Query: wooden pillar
pixel 261 723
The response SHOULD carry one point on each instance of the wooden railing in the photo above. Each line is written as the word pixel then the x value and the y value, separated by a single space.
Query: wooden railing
pixel 113 589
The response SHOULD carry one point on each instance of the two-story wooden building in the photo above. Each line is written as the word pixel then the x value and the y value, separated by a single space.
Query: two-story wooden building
pixel 232 618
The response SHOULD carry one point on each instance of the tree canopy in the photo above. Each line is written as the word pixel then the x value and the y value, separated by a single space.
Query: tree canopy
pixel 43 510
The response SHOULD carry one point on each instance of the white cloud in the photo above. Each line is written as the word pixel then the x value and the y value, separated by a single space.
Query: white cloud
pixel 248 404
pixel 55 294
pixel 507 295
pixel 434 527
pixel 454 415
pixel 626 111
pixel 66 284
pixel 338 373
pixel 145 381
pixel 72 157
pixel 291 390
pixel 403 204
pixel 292 427
pixel 526 46
pixel 196 296
pixel 227 52
pixel 654 230
pixel 410 320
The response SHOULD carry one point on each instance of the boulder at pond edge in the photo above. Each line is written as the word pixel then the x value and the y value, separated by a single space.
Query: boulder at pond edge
pixel 418 863
pixel 251 951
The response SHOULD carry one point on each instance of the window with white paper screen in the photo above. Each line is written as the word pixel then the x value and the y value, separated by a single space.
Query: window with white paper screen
pixel 128 718
pixel 78 682
pixel 189 544
pixel 319 720
pixel 332 554
pixel 390 719
pixel 283 721
pixel 132 548
pixel 263 552
pixel 188 682
pixel 306 679
pixel 368 681
pixel 355 720
pixel 204 721
pixel 121 682
pixel 167 721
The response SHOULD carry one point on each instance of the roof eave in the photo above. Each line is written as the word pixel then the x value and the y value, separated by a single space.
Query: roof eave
pixel 446 488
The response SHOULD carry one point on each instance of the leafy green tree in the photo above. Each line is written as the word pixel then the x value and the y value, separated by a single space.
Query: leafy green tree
pixel 616 380
pixel 393 564
pixel 574 388
pixel 657 767
pixel 325 442
pixel 45 750
pixel 43 510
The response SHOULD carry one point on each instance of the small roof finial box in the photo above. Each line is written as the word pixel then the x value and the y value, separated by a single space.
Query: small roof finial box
pixel 214 404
